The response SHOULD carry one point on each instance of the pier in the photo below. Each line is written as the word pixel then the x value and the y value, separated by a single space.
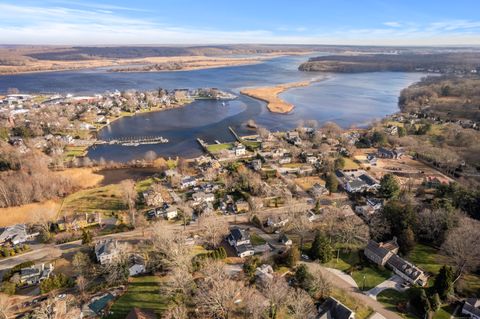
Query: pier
pixel 134 141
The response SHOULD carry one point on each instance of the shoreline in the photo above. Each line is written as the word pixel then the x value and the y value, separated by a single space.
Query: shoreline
pixel 270 95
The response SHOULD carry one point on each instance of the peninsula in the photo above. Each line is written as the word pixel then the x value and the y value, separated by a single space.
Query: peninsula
pixel 269 94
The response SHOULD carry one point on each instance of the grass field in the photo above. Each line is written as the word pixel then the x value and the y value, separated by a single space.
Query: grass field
pixel 100 199
pixel 75 151
pixel 215 148
pixel 142 292
pixel 350 164
pixel 307 182
pixel 391 298
pixel 27 213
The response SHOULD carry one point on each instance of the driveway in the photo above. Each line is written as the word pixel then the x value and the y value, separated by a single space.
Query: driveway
pixel 393 282
pixel 353 291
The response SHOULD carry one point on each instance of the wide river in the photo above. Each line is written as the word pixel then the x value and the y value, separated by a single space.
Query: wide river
pixel 347 99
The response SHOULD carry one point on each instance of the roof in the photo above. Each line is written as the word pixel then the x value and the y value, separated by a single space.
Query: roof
pixel 244 247
pixel 367 179
pixel 408 269
pixel 381 249
pixel 18 232
pixel 239 234
pixel 334 309
pixel 106 247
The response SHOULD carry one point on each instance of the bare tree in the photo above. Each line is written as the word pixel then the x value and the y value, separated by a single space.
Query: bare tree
pixel 320 286
pixel 299 224
pixel 129 195
pixel 5 306
pixel 170 246
pixel 213 229
pixel 82 283
pixel 176 312
pixel 255 303
pixel 150 156
pixel 433 224
pixel 462 245
pixel 301 305
pixel 277 293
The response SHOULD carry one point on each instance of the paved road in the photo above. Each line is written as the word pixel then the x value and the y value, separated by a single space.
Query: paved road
pixel 354 292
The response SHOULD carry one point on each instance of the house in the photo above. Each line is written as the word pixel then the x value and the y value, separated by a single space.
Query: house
pixel 471 308
pixel 170 212
pixel 390 154
pixel 386 254
pixel 15 234
pixel 372 159
pixel 285 240
pixel 187 182
pixel 138 313
pixel 35 274
pixel 106 251
pixel 357 181
pixel 152 197
pixel 257 164
pixel 379 253
pixel 318 190
pixel 239 150
pixel 294 138
pixel 276 221
pixel 79 221
pixel 372 206
pixel 240 240
pixel 334 309
pixel 136 265
pixel 264 272
pixel 200 197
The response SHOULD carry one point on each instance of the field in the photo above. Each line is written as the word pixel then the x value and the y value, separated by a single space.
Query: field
pixel 350 164
pixel 256 240
pixel 83 177
pixel 100 199
pixel 142 292
pixel 391 298
pixel 75 151
pixel 28 213
pixel 307 182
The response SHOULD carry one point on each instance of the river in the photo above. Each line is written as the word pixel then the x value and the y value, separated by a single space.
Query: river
pixel 347 99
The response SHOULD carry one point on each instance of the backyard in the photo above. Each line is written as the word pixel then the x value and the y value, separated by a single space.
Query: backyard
pixel 143 292
pixel 100 199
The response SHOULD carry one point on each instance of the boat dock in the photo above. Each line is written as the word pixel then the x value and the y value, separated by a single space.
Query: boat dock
pixel 134 141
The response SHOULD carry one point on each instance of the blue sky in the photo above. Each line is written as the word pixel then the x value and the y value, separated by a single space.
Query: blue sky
pixel 387 22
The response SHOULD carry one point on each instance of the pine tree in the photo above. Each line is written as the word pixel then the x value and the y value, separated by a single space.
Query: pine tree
pixel 389 187
pixel 331 183
pixel 86 237
pixel 443 284
pixel 321 249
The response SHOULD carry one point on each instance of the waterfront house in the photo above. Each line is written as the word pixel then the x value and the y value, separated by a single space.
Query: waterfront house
pixel 187 182
pixel 106 251
pixel 14 235
pixel 239 149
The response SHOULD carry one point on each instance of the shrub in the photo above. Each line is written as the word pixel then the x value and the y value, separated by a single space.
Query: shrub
pixel 56 282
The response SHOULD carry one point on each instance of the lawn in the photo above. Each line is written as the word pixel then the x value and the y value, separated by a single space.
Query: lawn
pixel 366 277
pixel 307 182
pixel 361 311
pixel 142 292
pixel 256 240
pixel 75 151
pixel 350 164
pixel 369 277
pixel 391 298
pixel 100 199
pixel 215 148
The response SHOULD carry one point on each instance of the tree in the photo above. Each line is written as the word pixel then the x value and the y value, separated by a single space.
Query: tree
pixel 379 138
pixel 331 183
pixel 214 229
pixel 339 163
pixel 435 302
pixel 389 187
pixel 150 156
pixel 256 304
pixel 433 225
pixel 406 241
pixel 129 195
pixel 277 293
pixel 462 246
pixel 116 272
pixel 86 237
pixel 299 224
pixel 176 312
pixel 321 248
pixel 301 305
pixel 81 283
pixel 443 284
pixel 401 131
pixel 81 263
pixel 293 256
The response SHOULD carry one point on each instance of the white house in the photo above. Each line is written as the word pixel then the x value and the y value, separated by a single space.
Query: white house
pixel 240 240
pixel 137 265
pixel 106 251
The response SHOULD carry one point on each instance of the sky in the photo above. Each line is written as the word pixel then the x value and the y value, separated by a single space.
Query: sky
pixel 149 22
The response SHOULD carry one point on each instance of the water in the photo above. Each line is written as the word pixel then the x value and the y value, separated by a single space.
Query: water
pixel 347 99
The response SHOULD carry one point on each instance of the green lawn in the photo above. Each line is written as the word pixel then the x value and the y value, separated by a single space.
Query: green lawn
pixel 142 292
pixel 369 277
pixel 256 240
pixel 391 298
pixel 445 312
pixel 215 148
pixel 346 260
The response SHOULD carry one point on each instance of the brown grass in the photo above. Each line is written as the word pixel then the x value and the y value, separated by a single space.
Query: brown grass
pixel 27 213
pixel 307 182
pixel 269 94
pixel 84 177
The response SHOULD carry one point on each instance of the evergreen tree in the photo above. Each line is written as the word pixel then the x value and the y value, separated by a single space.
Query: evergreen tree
pixel 331 183
pixel 443 284
pixel 86 237
pixel 293 256
pixel 321 249
pixel 406 240
pixel 389 187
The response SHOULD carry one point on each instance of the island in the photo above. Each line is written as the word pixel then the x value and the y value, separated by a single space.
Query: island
pixel 269 94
